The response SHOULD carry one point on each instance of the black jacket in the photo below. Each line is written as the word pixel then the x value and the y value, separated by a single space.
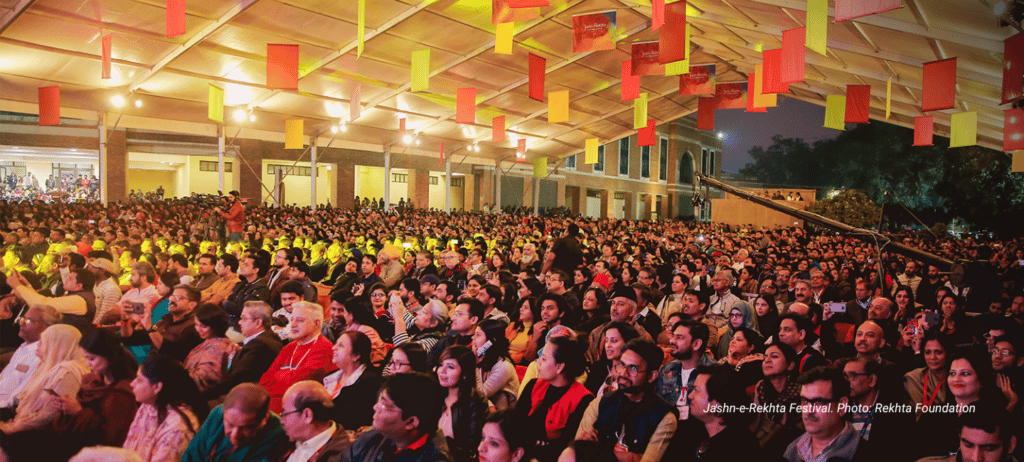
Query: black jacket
pixel 468 416
pixel 353 407
pixel 244 292
pixel 248 364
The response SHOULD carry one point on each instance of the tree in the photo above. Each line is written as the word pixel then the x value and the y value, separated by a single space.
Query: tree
pixel 851 207
pixel 879 159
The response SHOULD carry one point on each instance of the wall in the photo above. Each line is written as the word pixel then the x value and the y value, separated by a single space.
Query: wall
pixel 147 180
pixel 296 186
pixel 206 182
pixel 436 192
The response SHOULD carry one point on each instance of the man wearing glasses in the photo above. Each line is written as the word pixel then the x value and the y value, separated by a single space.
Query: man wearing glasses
pixel 259 349
pixel 823 403
pixel 23 363
pixel 878 415
pixel 633 422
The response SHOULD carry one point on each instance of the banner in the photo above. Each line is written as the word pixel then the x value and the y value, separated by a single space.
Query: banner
pixel 420 69
pixel 938 85
pixel 282 67
pixel 498 129
pixel 706 113
pixel 963 129
pixel 105 72
pixel 700 81
pixel 49 105
pixel 502 11
pixel 923 127
pixel 835 112
pixel 645 136
pixel 858 104
pixel 1013 129
pixel 558 107
pixel 794 55
pixel 1013 68
pixel 646 59
pixel 537 70
pixel 465 106
pixel 293 131
pixel 630 84
pixel 731 95
pixel 215 104
pixel 175 18
pixel 671 40
pixel 593 32
pixel 590 151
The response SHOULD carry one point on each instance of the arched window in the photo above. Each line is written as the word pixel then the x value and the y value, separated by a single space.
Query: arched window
pixel 686 168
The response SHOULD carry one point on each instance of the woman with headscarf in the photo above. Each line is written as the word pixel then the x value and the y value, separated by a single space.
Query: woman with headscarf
pixel 59 374
pixel 741 315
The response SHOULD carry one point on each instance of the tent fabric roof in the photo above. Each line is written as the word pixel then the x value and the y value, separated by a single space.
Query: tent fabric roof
pixel 47 42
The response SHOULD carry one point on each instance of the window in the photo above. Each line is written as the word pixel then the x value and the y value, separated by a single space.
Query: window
pixel 399 178
pixel 645 162
pixel 599 166
pixel 457 182
pixel 711 163
pixel 285 169
pixel 570 162
pixel 433 181
pixel 211 166
pixel 663 160
pixel 704 161
pixel 624 156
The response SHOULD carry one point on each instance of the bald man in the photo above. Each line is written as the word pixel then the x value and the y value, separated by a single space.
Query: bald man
pixel 306 421
pixel 241 429
pixel 870 343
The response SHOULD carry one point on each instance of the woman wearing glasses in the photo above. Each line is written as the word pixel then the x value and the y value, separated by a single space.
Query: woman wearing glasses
pixel 425 327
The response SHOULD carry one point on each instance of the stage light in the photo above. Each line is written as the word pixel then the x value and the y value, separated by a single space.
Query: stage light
pixel 334 129
pixel 138 103
pixel 407 139
pixel 252 117
pixel 117 101
pixel 239 115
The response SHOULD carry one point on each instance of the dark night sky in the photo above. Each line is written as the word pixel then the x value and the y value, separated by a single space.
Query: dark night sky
pixel 744 130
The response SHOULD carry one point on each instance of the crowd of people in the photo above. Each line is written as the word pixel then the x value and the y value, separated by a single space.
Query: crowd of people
pixel 143 331
pixel 66 187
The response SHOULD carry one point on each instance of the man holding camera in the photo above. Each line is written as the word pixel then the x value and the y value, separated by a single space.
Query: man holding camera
pixel 234 216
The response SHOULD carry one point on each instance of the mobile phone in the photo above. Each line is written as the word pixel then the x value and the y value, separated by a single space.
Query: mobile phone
pixel 837 307
pixel 932 318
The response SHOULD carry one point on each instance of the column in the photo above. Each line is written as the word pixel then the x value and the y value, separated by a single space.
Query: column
pixel 220 158
pixel 312 172
pixel 630 206
pixel 346 184
pixel 419 188
pixel 560 194
pixel 648 205
pixel 387 176
pixel 606 204
pixel 536 195
pixel 249 170
pixel 102 128
pixel 497 185
pixel 116 168
pixel 448 184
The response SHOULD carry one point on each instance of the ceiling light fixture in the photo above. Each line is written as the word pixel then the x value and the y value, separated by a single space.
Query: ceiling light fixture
pixel 138 103
pixel 252 117
pixel 117 101
pixel 239 115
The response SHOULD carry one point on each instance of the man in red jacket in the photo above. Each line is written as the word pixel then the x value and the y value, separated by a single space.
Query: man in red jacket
pixel 234 217
pixel 307 357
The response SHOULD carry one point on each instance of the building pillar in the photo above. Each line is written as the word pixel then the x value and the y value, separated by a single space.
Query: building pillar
pixel 346 173
pixel 536 195
pixel 607 204
pixel 312 172
pixel 387 176
pixel 116 172
pixel 648 205
pixel 251 154
pixel 560 195
pixel 497 185
pixel 667 203
pixel 419 188
pixel 448 184
pixel 630 201
pixel 472 185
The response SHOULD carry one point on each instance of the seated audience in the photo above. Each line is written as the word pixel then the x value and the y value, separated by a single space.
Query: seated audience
pixel 170 410
pixel 353 387
pixel 405 421
pixel 312 434
pixel 241 429
pixel 259 349
pixel 495 374
pixel 207 363
pixel 306 357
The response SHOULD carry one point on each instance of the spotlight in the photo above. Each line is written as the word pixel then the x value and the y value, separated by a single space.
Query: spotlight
pixel 138 103
pixel 407 139
pixel 334 129
pixel 417 141
pixel 252 117
pixel 239 115
pixel 344 127
pixel 117 101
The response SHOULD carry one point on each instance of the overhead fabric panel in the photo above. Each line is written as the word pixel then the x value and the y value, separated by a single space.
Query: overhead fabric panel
pixel 923 127
pixel 49 105
pixel 282 67
pixel 938 85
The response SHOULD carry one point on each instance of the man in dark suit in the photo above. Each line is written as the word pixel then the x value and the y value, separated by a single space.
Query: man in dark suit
pixel 258 351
